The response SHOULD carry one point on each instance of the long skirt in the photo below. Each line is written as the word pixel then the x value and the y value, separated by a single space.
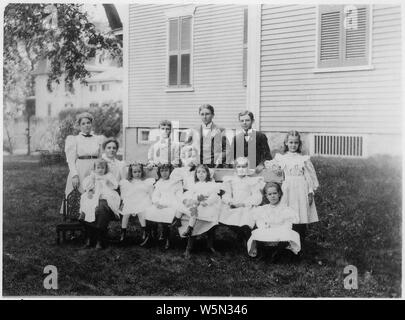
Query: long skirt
pixel 84 167
pixel 295 196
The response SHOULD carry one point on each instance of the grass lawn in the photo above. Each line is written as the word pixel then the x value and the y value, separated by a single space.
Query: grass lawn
pixel 31 200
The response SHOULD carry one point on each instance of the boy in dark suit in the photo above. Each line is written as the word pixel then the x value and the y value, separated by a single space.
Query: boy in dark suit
pixel 250 143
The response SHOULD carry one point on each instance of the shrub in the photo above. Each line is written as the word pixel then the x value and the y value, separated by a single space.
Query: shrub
pixel 359 205
pixel 107 121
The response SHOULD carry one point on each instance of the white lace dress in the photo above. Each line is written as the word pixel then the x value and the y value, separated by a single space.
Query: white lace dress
pixel 299 180
pixel 136 196
pixel 207 216
pixel 274 224
pixel 103 187
pixel 167 193
pixel 246 190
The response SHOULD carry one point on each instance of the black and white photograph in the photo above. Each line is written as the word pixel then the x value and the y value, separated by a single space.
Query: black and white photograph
pixel 196 149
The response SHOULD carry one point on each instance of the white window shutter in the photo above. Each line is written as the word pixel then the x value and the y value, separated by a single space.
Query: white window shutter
pixel 330 37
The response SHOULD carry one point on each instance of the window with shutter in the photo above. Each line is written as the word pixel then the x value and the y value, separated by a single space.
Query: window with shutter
pixel 179 51
pixel 343 36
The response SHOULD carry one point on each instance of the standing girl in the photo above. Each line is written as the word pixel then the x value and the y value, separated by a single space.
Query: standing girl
pixel 100 202
pixel 242 194
pixel 136 194
pixel 300 182
pixel 274 224
pixel 165 200
pixel 202 207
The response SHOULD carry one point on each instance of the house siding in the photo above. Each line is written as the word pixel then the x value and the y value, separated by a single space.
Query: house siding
pixel 217 66
pixel 293 96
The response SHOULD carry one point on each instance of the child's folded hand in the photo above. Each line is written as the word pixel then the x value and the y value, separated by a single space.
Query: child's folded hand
pixel 201 198
pixel 90 194
pixel 310 198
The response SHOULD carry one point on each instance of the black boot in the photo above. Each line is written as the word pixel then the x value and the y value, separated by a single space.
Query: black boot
pixel 188 232
pixel 123 234
pixel 190 244
pixel 166 234
pixel 210 240
pixel 176 223
pixel 147 239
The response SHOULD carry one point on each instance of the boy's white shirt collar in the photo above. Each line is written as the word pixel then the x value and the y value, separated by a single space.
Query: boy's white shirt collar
pixel 208 126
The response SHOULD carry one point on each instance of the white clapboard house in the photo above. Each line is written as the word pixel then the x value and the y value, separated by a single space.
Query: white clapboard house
pixel 332 72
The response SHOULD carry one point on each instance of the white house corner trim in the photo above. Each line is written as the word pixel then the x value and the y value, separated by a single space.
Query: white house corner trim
pixel 253 61
pixel 125 65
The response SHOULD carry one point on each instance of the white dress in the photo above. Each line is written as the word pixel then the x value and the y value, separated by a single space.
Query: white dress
pixel 299 180
pixel 167 193
pixel 79 146
pixel 274 224
pixel 104 188
pixel 116 167
pixel 207 216
pixel 246 190
pixel 136 195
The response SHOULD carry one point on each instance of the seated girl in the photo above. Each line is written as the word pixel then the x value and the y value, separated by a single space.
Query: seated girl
pixel 100 202
pixel 274 224
pixel 242 194
pixel 201 208
pixel 136 193
pixel 165 203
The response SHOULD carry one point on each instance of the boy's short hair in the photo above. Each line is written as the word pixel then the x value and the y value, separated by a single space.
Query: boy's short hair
pixel 206 106
pixel 165 123
pixel 246 112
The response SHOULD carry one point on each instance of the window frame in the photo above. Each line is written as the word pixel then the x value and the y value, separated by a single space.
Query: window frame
pixel 103 85
pixel 178 13
pixel 93 86
pixel 341 68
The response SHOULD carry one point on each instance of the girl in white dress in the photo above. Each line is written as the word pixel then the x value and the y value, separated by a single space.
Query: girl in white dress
pixel 136 193
pixel 99 186
pixel 242 194
pixel 274 224
pixel 202 206
pixel 165 203
pixel 300 181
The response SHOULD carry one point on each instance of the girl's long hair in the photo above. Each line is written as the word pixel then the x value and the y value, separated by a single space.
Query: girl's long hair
pixel 268 185
pixel 164 166
pixel 293 133
pixel 207 170
pixel 135 164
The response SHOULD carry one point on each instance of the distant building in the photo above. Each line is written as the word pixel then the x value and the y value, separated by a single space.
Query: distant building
pixel 104 87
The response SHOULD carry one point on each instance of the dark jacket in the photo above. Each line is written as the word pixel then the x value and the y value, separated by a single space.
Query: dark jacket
pixel 257 149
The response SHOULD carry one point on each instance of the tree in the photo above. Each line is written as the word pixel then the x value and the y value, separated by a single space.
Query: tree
pixel 59 33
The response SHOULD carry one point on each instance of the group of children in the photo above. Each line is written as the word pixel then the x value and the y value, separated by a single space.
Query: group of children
pixel 187 199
